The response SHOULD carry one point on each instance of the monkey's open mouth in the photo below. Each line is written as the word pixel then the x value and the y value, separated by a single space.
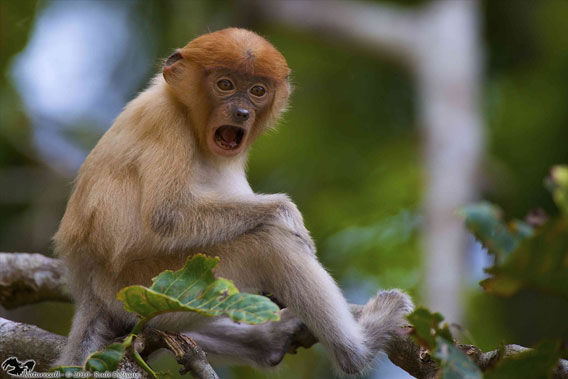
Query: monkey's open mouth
pixel 229 137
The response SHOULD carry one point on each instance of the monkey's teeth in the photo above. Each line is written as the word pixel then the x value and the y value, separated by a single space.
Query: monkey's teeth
pixel 229 137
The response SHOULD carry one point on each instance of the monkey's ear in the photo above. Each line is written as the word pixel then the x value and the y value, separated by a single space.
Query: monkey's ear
pixel 174 57
pixel 173 66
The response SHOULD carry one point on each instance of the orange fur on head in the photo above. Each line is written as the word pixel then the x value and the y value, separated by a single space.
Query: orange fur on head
pixel 189 72
pixel 237 49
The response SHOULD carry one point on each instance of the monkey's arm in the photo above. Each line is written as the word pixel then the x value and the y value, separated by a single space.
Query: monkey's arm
pixel 199 223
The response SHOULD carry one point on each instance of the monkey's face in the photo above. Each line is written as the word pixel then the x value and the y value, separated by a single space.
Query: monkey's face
pixel 239 103
pixel 234 84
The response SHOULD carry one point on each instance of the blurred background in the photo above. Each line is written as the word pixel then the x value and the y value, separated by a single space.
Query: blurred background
pixel 402 111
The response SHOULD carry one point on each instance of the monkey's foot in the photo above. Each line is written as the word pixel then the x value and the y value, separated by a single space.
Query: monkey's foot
pixel 280 339
pixel 383 317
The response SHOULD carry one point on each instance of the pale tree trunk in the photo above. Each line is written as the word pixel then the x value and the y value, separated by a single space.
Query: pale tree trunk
pixel 448 75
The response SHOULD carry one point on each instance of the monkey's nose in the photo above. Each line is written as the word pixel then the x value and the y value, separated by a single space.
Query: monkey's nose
pixel 241 114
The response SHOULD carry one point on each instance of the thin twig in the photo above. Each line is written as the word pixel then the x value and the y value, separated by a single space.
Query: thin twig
pixel 186 351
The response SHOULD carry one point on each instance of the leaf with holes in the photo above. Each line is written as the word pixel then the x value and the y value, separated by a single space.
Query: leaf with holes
pixel 195 289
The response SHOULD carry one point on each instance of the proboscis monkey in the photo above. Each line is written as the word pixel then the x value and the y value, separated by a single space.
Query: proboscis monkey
pixel 167 180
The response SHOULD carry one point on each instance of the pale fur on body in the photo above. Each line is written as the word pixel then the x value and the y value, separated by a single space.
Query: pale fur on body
pixel 151 194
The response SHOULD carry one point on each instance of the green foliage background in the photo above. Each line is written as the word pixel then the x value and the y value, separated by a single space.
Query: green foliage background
pixel 348 152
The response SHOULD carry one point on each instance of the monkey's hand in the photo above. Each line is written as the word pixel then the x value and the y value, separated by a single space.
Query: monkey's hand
pixel 288 217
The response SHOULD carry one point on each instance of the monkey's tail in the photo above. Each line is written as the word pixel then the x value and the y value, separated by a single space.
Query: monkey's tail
pixel 383 316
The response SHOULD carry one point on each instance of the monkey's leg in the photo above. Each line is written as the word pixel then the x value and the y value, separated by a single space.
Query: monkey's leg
pixel 266 344
pixel 274 259
pixel 93 329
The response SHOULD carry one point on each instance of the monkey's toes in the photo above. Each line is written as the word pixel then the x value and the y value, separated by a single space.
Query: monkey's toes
pixel 385 314
pixel 397 301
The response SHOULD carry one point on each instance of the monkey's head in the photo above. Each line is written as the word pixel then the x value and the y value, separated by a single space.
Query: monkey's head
pixel 234 84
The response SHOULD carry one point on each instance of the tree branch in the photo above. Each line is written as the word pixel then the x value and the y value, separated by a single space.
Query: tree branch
pixel 30 278
pixel 42 278
pixel 28 341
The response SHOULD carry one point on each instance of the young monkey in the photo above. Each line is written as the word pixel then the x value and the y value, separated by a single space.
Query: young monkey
pixel 168 180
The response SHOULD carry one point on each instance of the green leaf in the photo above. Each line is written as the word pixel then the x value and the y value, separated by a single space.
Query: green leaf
pixel 106 360
pixel 525 257
pixel 558 184
pixel 427 327
pixel 454 364
pixel 534 364
pixel 195 289
pixel 540 262
pixel 485 221
pixel 437 338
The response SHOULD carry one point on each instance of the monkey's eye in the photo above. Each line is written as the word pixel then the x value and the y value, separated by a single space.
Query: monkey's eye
pixel 225 84
pixel 258 91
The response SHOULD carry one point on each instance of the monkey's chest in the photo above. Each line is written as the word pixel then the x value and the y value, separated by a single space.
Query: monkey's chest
pixel 222 185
